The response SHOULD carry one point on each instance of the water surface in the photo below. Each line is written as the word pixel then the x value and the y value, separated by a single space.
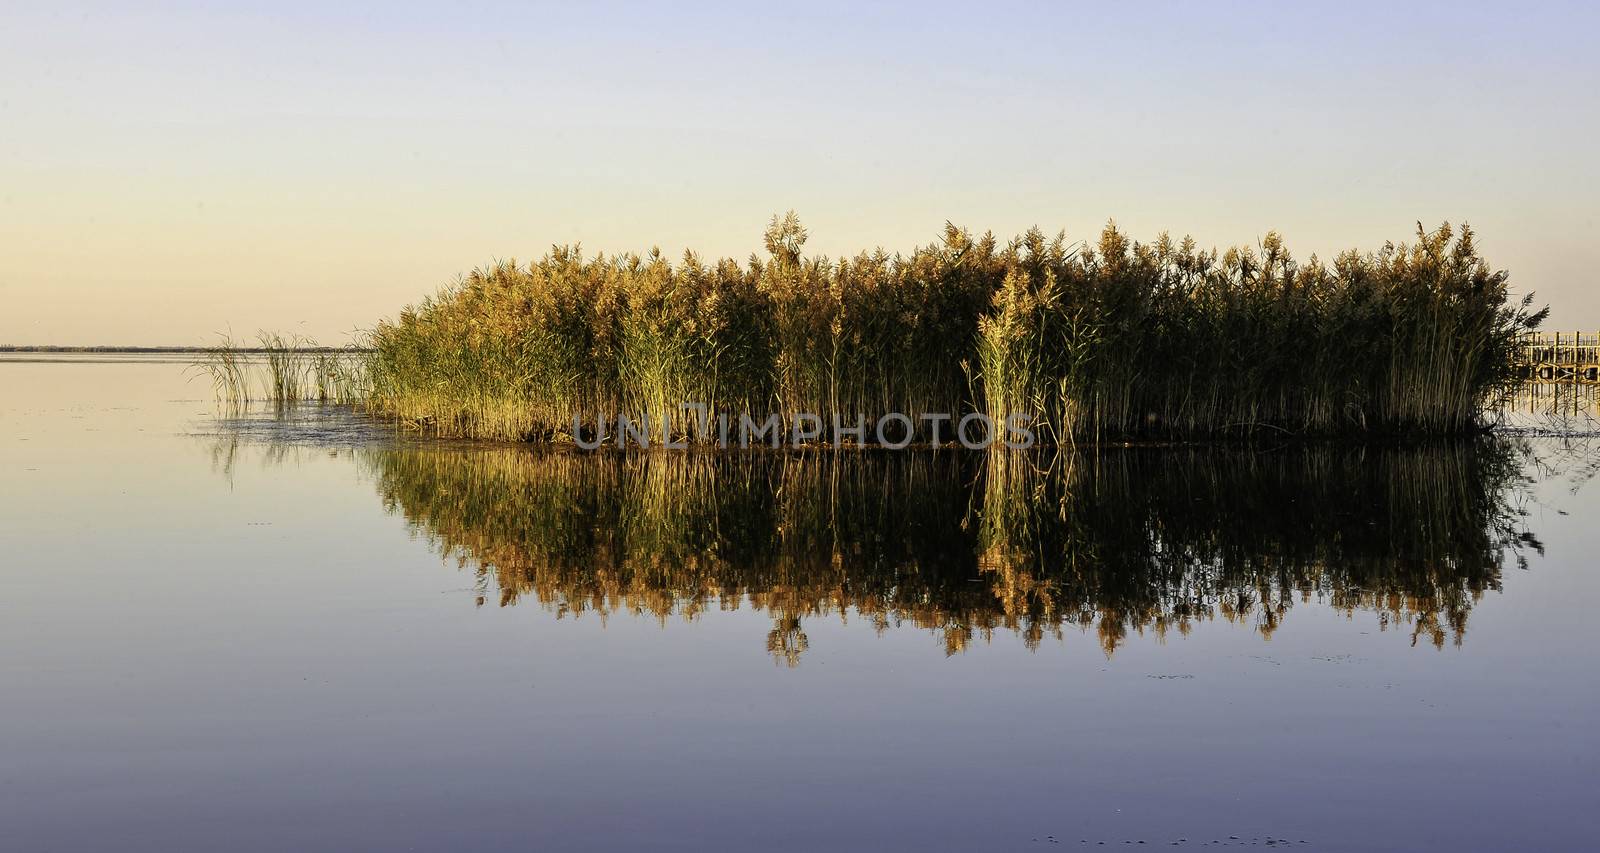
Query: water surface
pixel 309 633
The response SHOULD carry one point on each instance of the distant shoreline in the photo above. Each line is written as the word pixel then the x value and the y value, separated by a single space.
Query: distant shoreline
pixel 157 350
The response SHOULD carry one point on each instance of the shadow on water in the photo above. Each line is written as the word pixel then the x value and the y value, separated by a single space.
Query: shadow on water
pixel 964 545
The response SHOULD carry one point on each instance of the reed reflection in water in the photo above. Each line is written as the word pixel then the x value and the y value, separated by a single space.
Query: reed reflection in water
pixel 966 544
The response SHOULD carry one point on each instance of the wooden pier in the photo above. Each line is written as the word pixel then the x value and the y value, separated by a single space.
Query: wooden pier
pixel 1562 357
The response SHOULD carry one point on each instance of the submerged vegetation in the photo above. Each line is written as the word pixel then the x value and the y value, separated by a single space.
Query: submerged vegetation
pixel 1115 339
pixel 1108 542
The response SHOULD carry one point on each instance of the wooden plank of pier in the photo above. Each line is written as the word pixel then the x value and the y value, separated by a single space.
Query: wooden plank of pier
pixel 1562 357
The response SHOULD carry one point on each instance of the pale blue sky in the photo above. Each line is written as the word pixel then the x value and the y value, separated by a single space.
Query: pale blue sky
pixel 171 170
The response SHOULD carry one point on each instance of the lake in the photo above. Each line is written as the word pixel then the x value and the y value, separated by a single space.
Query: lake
pixel 264 631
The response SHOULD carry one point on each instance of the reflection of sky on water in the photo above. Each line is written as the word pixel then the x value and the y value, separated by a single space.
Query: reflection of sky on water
pixel 192 657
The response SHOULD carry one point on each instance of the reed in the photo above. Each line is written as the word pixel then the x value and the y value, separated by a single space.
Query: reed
pixel 283 370
pixel 228 368
pixel 1117 339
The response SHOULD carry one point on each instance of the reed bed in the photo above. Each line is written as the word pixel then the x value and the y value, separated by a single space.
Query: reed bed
pixel 1111 340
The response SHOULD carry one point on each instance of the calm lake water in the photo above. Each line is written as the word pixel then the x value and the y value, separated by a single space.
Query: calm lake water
pixel 306 633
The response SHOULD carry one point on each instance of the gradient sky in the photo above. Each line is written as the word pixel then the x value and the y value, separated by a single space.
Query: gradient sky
pixel 168 171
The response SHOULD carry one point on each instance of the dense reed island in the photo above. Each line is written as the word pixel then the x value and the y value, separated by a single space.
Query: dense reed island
pixel 963 545
pixel 1115 339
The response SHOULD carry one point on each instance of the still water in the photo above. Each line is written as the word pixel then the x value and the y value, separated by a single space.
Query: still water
pixel 307 633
